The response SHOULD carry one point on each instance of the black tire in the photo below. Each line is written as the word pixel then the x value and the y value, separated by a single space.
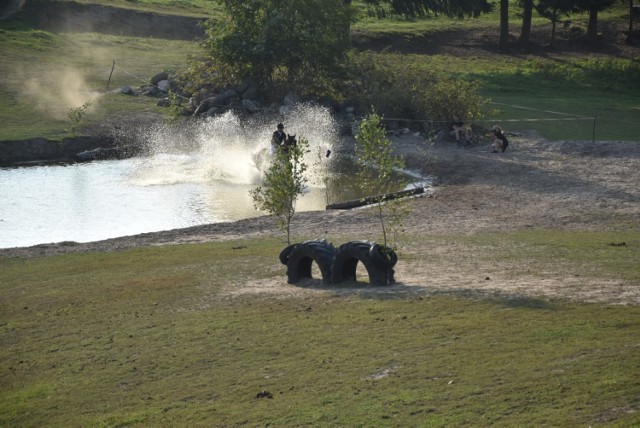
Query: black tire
pixel 382 255
pixel 302 258
pixel 286 253
pixel 346 262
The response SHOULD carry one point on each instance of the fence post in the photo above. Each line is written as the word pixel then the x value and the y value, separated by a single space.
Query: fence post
pixel 112 67
pixel 593 135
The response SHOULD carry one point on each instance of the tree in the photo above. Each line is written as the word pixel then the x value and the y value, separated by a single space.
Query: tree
pixel 267 39
pixel 593 7
pixel 377 172
pixel 504 24
pixel 631 12
pixel 527 14
pixel 553 10
pixel 284 181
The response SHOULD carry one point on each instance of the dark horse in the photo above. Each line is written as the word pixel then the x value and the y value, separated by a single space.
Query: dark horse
pixel 289 142
pixel 263 158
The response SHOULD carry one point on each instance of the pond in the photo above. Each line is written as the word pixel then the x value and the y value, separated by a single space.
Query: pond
pixel 185 181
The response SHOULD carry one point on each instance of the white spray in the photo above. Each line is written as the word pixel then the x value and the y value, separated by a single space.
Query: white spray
pixel 221 148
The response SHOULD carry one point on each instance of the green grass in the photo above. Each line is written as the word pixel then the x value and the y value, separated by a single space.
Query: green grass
pixel 197 8
pixel 525 89
pixel 371 26
pixel 38 89
pixel 164 336
pixel 552 97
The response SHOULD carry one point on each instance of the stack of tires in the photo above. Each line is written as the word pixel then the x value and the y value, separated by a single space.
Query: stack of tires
pixel 339 265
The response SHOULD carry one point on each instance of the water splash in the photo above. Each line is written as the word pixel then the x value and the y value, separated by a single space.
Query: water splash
pixel 221 148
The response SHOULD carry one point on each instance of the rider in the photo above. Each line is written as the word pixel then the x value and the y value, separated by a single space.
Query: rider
pixel 278 139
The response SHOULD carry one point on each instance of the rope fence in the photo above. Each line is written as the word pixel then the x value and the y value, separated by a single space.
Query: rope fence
pixel 575 126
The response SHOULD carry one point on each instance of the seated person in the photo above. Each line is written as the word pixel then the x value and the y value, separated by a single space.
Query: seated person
pixel 500 141
pixel 457 126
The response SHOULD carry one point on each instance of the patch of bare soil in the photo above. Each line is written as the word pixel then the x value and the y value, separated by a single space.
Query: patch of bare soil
pixel 535 185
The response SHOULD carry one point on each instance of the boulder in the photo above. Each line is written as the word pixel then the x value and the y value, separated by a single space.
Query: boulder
pixel 158 77
pixel 150 91
pixel 209 103
pixel 164 85
pixel 251 93
pixel 230 93
pixel 250 106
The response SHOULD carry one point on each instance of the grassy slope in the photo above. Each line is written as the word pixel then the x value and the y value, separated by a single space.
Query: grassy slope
pixel 165 336
pixel 38 88
pixel 197 8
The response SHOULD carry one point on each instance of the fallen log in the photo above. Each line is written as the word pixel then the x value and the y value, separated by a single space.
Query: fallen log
pixel 368 200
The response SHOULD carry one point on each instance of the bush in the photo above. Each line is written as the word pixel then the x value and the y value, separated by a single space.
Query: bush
pixel 399 86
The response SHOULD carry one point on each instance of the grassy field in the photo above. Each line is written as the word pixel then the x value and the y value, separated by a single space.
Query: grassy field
pixel 178 335
pixel 45 75
pixel 189 334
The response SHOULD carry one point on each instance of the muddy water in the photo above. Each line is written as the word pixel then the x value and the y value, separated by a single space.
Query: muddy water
pixel 191 177
pixel 106 199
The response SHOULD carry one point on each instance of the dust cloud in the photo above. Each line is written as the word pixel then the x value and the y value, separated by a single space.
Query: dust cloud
pixel 57 91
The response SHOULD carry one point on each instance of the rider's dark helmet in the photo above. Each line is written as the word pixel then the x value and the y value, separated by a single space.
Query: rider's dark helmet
pixel 280 126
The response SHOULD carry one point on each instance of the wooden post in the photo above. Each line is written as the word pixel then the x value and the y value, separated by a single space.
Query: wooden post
pixel 112 67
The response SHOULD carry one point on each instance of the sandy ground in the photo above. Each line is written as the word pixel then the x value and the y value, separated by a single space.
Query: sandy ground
pixel 536 184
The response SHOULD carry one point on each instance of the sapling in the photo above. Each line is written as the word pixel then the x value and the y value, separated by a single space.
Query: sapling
pixel 283 183
pixel 378 175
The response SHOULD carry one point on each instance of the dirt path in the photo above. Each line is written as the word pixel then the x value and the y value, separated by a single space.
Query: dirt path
pixel 536 184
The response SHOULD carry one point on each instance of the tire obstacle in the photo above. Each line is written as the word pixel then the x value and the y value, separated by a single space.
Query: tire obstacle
pixel 338 265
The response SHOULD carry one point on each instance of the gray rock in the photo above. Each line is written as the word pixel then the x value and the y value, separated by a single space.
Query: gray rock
pixel 250 106
pixel 150 91
pixel 158 77
pixel 164 85
pixel 251 93
pixel 230 93
pixel 208 104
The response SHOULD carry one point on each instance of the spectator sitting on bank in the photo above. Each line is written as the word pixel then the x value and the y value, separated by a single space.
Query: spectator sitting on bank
pixel 457 126
pixel 500 142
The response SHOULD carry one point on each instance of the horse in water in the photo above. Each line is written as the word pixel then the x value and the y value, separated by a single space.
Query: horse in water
pixel 263 158
pixel 289 142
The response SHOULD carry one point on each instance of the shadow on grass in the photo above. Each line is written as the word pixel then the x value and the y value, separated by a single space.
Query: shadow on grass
pixel 400 291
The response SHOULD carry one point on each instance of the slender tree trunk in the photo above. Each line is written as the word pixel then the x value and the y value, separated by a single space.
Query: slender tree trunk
pixel 630 33
pixel 553 31
pixel 592 26
pixel 504 24
pixel 527 13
